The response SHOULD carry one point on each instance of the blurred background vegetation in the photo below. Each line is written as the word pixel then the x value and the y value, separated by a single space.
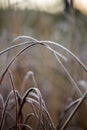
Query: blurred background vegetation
pixel 52 21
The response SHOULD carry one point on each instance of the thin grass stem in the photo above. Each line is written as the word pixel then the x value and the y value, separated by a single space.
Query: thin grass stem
pixel 69 75
pixel 74 111
pixel 13 87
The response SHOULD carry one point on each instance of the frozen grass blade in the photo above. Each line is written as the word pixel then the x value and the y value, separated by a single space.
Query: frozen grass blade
pixel 70 77
pixel 55 52
pixel 36 42
pixel 68 51
pixel 30 39
pixel 72 104
pixel 4 110
pixel 24 37
pixel 27 77
pixel 46 114
pixel 34 114
pixel 13 88
pixel 11 62
pixel 74 111
pixel 23 100
pixel 28 117
pixel 13 47
pixel 1 101
pixel 46 42
pixel 30 101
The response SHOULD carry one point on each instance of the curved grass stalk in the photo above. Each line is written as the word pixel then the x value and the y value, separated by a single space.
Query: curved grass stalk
pixel 69 75
pixel 36 42
pixel 20 44
pixel 45 42
pixel 25 96
pixel 71 105
pixel 35 113
pixel 74 111
pixel 28 117
pixel 3 74
pixel 1 101
pixel 68 51
pixel 27 78
pixel 6 69
pixel 4 110
pixel 57 53
pixel 23 100
pixel 23 37
pixel 31 100
pixel 1 108
pixel 38 117
pixel 13 88
pixel 14 46
pixel 44 109
pixel 20 52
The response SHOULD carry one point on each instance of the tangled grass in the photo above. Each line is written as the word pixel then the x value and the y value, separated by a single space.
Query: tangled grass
pixel 32 97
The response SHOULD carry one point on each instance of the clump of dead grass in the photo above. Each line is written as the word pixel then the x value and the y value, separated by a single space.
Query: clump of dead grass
pixel 33 97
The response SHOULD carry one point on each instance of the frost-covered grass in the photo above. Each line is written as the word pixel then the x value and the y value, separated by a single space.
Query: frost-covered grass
pixel 12 108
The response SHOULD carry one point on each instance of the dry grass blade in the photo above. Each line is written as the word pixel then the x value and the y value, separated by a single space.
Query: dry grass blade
pixel 40 111
pixel 23 100
pixel 56 52
pixel 39 101
pixel 69 75
pixel 30 40
pixel 45 113
pixel 66 111
pixel 72 104
pixel 45 43
pixel 68 51
pixel 6 69
pixel 1 101
pixel 4 110
pixel 30 100
pixel 41 107
pixel 27 77
pixel 33 43
pixel 34 114
pixel 74 111
pixel 24 37
pixel 13 88
pixel 36 42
